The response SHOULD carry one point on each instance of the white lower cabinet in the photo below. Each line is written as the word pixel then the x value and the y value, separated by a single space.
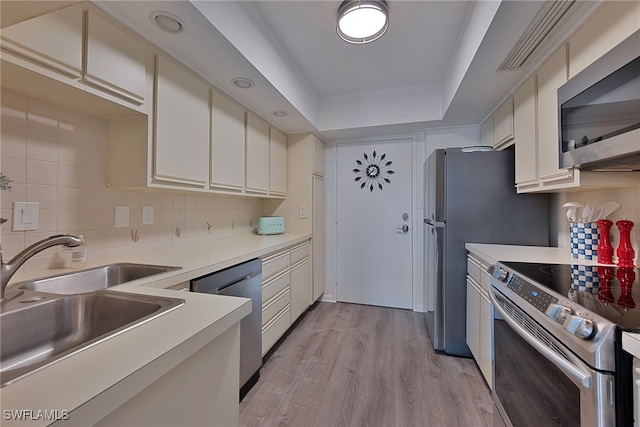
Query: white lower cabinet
pixel 286 290
pixel 480 317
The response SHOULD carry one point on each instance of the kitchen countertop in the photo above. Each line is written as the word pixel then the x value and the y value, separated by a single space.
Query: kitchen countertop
pixel 495 253
pixel 72 381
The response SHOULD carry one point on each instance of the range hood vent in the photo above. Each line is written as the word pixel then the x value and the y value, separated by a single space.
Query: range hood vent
pixel 545 21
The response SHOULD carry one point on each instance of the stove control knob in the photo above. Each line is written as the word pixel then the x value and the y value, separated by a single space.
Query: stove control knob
pixel 498 273
pixel 580 327
pixel 558 312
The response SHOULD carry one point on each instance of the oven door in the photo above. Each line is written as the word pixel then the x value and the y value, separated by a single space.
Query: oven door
pixel 538 381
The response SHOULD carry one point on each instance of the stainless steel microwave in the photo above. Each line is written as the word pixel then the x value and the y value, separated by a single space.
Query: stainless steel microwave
pixel 599 112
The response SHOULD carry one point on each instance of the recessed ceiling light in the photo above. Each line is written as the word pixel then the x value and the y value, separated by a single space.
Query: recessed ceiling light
pixel 362 21
pixel 167 21
pixel 279 113
pixel 243 83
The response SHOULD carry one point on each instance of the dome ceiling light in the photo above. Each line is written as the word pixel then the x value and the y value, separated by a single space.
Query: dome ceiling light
pixel 362 21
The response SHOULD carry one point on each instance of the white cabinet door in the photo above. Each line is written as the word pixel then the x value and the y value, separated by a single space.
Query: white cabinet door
pixel 503 124
pixel 473 314
pixel 227 143
pixel 257 152
pixel 551 76
pixel 53 40
pixel 300 288
pixel 277 163
pixel 318 240
pixel 525 134
pixel 485 322
pixel 181 138
pixel 116 61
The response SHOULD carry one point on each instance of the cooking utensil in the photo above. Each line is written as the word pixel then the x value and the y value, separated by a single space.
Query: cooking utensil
pixel 596 214
pixel 572 214
pixel 609 208
pixel 586 212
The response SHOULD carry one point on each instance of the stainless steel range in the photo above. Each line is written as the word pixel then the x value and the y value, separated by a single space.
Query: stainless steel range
pixel 557 344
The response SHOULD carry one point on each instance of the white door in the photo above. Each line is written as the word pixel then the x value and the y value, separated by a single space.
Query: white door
pixel 374 252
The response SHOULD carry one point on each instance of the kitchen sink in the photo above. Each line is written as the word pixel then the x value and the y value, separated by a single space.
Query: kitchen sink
pixel 38 329
pixel 93 279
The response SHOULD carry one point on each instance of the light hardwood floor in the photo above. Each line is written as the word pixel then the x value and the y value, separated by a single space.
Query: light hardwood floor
pixel 356 365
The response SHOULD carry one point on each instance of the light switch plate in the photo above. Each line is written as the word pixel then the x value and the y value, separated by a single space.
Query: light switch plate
pixel 147 215
pixel 122 216
pixel 25 216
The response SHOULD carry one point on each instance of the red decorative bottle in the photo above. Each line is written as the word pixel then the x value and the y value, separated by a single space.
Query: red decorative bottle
pixel 625 251
pixel 605 250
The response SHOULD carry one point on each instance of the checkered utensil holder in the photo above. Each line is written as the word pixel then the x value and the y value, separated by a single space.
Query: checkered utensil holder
pixel 584 240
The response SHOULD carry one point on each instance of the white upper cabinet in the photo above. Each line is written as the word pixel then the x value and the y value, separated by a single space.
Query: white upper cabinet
pixel 257 152
pixel 82 47
pixel 116 60
pixel 53 40
pixel 503 125
pixel 551 75
pixel 227 143
pixel 181 126
pixel 486 132
pixel 615 20
pixel 524 118
pixel 277 163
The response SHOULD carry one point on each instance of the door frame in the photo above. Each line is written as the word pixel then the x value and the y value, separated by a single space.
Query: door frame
pixel 331 186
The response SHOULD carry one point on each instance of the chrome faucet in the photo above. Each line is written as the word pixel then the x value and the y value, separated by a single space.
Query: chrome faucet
pixel 9 269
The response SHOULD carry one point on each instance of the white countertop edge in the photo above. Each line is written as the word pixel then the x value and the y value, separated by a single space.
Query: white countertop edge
pixel 493 253
pixel 631 343
pixel 72 381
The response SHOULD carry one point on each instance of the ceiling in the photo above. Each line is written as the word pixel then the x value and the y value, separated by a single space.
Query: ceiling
pixel 435 66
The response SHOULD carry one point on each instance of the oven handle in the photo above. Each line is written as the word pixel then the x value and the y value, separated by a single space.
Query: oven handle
pixel 565 366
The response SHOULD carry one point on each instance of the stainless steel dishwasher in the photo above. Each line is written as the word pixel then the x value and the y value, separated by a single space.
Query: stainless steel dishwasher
pixel 242 280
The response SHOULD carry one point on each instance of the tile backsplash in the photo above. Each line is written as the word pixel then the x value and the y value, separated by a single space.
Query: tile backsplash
pixel 57 157
pixel 629 199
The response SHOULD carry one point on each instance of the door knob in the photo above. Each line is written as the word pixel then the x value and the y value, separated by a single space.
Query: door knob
pixel 404 228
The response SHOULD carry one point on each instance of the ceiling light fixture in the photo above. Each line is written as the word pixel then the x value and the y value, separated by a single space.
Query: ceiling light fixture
pixel 279 113
pixel 243 83
pixel 167 22
pixel 362 21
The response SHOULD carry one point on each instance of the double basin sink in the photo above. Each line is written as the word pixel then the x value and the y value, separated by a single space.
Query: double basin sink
pixel 52 318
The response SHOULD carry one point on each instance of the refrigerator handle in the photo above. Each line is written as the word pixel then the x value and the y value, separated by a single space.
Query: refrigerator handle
pixel 436 224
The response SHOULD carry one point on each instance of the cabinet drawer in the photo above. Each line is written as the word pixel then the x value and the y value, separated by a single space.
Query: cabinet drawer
pixel 274 264
pixel 275 305
pixel 473 269
pixel 273 330
pixel 301 252
pixel 485 280
pixel 275 286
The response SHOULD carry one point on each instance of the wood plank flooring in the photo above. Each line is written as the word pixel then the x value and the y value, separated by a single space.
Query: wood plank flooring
pixel 356 365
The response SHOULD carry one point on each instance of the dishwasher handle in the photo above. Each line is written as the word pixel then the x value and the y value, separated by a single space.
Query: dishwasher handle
pixel 242 279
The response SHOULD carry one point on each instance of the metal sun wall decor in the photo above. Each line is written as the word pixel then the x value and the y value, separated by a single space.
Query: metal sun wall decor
pixel 373 171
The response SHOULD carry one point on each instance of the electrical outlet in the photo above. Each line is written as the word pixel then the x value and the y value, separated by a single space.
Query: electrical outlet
pixel 302 212
pixel 147 215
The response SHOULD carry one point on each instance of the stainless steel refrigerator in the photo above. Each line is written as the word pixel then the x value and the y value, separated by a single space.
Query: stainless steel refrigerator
pixel 470 197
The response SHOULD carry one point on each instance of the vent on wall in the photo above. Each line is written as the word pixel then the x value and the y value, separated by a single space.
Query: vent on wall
pixel 547 18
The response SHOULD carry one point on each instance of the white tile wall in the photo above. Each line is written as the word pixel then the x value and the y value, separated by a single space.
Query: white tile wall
pixel 56 156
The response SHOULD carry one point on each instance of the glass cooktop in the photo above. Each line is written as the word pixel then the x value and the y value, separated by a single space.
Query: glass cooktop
pixel 611 292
